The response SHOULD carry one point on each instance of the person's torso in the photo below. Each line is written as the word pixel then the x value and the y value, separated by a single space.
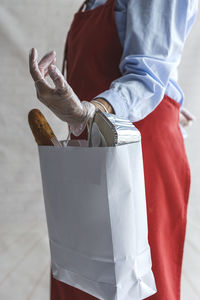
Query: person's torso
pixel 173 90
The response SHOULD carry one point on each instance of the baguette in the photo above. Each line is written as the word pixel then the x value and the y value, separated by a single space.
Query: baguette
pixel 41 129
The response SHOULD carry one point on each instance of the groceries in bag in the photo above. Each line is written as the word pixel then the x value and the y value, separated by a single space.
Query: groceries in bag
pixel 108 130
pixel 97 223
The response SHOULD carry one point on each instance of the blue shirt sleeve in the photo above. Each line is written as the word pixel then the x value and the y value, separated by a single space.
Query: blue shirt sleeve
pixel 155 33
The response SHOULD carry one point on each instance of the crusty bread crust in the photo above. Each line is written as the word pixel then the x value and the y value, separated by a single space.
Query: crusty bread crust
pixel 40 128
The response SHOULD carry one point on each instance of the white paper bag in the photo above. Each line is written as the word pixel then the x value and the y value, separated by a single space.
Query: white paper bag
pixel 96 214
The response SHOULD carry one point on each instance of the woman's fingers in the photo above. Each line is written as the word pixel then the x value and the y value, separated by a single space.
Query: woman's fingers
pixel 187 114
pixel 185 117
pixel 47 71
pixel 33 65
pixel 46 61
pixel 41 85
pixel 57 77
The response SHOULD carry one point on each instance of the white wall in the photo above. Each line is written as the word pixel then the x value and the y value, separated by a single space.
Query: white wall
pixel 24 252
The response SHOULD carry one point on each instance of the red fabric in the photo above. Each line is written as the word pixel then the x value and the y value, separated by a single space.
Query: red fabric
pixel 167 181
pixel 93 54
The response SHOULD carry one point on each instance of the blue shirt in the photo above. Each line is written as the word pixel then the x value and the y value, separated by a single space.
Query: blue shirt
pixel 152 34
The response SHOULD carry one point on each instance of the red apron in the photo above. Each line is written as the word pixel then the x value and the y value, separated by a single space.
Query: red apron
pixel 93 53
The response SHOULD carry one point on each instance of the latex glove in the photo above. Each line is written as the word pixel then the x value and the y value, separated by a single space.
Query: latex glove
pixel 61 99
pixel 185 117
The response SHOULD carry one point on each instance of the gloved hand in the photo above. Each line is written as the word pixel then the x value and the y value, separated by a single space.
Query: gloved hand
pixel 185 117
pixel 61 100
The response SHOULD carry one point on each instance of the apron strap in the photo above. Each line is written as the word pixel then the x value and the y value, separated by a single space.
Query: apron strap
pixel 84 4
pixel 64 58
pixel 65 48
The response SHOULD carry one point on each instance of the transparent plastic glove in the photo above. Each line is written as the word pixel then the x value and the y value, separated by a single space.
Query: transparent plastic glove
pixel 185 117
pixel 61 100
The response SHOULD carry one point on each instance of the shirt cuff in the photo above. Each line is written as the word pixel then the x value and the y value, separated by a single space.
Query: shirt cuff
pixel 119 103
